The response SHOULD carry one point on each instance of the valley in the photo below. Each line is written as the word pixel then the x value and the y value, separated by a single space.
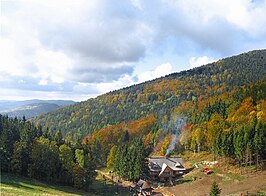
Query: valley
pixel 152 131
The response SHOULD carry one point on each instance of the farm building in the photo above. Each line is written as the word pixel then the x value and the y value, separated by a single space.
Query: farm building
pixel 165 169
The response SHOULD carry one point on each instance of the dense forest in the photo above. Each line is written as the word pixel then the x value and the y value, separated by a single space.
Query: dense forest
pixel 219 107
pixel 158 97
pixel 29 150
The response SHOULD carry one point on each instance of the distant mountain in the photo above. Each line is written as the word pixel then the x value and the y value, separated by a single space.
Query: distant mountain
pixel 31 108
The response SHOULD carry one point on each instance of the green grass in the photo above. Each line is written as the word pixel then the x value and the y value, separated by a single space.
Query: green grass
pixel 14 185
pixel 105 187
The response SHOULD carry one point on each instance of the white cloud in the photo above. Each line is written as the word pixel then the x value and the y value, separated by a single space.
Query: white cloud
pixel 161 70
pixel 199 61
pixel 43 82
pixel 52 65
pixel 90 47
pixel 247 15
pixel 137 4
pixel 124 81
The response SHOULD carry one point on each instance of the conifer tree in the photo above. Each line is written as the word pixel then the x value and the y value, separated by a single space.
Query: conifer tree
pixel 58 138
pixel 215 190
pixel 111 157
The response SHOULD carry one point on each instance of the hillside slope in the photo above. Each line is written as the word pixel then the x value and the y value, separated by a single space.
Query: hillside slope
pixel 159 97
pixel 14 185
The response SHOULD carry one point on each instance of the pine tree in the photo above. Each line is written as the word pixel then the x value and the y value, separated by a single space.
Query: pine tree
pixel 58 138
pixel 126 136
pixel 258 141
pixel 89 167
pixel 215 190
pixel 111 157
pixel 79 155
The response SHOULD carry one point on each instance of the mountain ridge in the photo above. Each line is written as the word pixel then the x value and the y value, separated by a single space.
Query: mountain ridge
pixel 31 108
pixel 159 96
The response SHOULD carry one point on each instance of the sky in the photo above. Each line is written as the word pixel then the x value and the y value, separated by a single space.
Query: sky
pixel 79 49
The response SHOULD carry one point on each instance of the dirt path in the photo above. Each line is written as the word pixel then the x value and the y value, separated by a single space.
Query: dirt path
pixel 156 192
pixel 116 180
pixel 251 183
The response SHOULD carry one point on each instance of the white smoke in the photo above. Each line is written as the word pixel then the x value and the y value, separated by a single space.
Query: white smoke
pixel 171 146
pixel 178 123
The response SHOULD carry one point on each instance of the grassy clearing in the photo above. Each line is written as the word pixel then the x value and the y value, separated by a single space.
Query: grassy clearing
pixel 13 185
pixel 105 187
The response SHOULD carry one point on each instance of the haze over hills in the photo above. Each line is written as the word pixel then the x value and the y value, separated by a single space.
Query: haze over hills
pixel 31 108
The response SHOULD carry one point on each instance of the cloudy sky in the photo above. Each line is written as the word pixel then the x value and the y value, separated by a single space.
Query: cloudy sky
pixel 77 49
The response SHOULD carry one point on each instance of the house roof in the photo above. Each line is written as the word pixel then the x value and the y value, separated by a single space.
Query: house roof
pixel 164 166
pixel 158 164
pixel 143 184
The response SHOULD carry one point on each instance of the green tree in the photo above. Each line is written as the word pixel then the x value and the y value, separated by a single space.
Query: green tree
pixel 89 173
pixel 67 164
pixel 44 159
pixel 98 153
pixel 83 176
pixel 17 159
pixel 259 144
pixel 9 135
pixel 239 146
pixel 58 138
pixel 215 190
pixel 78 177
pixel 139 164
pixel 126 136
pixel 66 157
pixel 111 157
pixel 79 154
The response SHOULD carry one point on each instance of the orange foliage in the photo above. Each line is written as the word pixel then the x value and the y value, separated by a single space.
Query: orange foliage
pixel 141 126
pixel 261 115
pixel 148 139
pixel 185 134
pixel 184 107
pixel 113 135
pixel 244 113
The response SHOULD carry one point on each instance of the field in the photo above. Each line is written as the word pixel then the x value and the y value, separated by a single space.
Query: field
pixel 13 185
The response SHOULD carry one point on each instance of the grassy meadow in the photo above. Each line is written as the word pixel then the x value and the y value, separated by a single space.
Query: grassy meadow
pixel 14 185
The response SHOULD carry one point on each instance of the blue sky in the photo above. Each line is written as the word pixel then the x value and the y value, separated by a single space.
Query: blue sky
pixel 61 49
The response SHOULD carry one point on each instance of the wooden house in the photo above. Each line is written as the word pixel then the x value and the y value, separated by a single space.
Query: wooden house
pixel 165 169
pixel 143 188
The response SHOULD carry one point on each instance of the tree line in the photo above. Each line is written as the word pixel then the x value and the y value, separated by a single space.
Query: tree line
pixel 129 160
pixel 239 134
pixel 28 150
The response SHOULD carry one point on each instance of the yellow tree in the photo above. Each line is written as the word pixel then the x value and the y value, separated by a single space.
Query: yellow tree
pixel 166 143
pixel 214 128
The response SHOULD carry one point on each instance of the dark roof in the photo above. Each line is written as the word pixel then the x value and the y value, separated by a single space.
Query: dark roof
pixel 143 184
pixel 175 164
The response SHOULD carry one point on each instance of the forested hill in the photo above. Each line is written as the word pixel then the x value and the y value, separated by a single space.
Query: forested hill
pixel 154 104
